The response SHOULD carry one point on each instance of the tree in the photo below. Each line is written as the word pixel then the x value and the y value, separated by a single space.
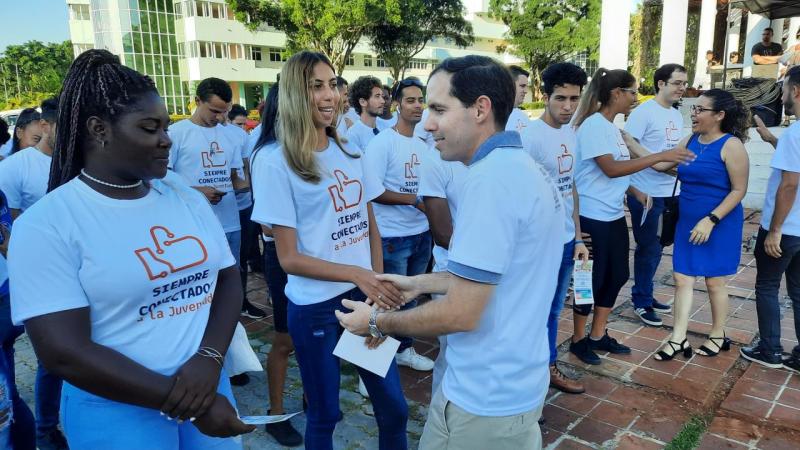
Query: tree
pixel 542 32
pixel 32 71
pixel 645 42
pixel 333 27
pixel 420 21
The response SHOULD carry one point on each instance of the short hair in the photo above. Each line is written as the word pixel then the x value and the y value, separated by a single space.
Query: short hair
pixel 770 30
pixel 792 76
pixel 236 111
pixel 474 76
pixel 362 88
pixel 49 109
pixel 341 82
pixel 397 92
pixel 214 86
pixel 560 74
pixel 664 72
pixel 709 52
pixel 516 71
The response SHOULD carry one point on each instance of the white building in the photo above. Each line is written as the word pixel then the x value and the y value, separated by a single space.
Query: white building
pixel 180 42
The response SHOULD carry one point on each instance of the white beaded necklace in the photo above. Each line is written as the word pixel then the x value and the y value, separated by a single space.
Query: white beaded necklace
pixel 104 183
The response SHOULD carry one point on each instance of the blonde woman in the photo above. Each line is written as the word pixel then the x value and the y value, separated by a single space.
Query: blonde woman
pixel 315 196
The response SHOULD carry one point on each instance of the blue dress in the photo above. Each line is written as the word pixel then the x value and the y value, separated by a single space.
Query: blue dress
pixel 704 184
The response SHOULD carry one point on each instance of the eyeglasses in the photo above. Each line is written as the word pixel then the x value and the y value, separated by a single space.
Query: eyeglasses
pixel 678 83
pixel 696 109
pixel 630 90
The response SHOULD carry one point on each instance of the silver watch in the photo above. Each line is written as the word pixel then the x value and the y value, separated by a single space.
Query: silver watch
pixel 373 323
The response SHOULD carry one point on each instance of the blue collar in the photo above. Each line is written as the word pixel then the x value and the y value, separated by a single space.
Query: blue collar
pixel 499 139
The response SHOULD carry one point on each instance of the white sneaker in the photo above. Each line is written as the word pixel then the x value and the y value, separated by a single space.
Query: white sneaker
pixel 410 358
pixel 362 389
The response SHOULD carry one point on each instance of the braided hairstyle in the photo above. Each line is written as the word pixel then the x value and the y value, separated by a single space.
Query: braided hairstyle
pixel 96 85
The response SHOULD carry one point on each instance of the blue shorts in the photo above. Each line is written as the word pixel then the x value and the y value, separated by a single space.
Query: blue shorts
pixel 91 422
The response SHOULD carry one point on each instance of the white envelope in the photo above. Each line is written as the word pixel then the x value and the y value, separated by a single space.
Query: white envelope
pixel 351 348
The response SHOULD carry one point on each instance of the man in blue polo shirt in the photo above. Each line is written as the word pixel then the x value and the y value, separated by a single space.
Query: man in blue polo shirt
pixel 502 270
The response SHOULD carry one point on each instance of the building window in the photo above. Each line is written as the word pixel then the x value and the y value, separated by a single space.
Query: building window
pixel 255 53
pixel 380 62
pixel 367 60
pixel 79 12
pixel 351 60
pixel 275 55
pixel 80 48
pixel 418 64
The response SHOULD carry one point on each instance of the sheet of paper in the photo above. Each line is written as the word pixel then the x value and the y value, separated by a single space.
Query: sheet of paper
pixel 351 348
pixel 263 420
pixel 582 282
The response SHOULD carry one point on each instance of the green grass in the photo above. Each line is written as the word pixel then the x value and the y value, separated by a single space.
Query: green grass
pixel 690 434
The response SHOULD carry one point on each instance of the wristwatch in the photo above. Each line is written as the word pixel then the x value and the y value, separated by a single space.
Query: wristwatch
pixel 373 323
pixel 713 218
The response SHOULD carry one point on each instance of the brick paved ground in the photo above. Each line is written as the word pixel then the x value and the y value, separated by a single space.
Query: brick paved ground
pixel 632 402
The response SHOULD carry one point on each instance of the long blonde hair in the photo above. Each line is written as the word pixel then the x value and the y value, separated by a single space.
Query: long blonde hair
pixel 598 93
pixel 296 131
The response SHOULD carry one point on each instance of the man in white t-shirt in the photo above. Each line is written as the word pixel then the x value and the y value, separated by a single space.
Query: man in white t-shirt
pixel 518 120
pixel 366 97
pixel 551 141
pixel 207 155
pixel 387 119
pixel 23 179
pixel 503 262
pixel 347 116
pixel 777 249
pixel 658 126
pixel 394 157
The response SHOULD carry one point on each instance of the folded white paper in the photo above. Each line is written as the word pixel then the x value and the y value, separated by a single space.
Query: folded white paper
pixel 263 420
pixel 582 282
pixel 352 348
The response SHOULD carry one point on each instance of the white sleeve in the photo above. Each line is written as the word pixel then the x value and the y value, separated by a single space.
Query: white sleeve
pixel 636 125
pixel 175 136
pixel 373 185
pixel 10 181
pixel 273 202
pixel 434 176
pixel 483 241
pixel 593 141
pixel 238 152
pixel 532 144
pixel 30 297
pixel 787 156
pixel 353 139
pixel 375 159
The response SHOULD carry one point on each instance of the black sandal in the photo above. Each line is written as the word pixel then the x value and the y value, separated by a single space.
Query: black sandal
pixel 676 348
pixel 724 347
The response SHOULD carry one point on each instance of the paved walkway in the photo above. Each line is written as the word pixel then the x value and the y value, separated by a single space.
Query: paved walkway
pixel 632 402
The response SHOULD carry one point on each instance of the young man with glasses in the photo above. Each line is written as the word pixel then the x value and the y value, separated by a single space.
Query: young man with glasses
pixel 394 157
pixel 658 126
pixel 366 97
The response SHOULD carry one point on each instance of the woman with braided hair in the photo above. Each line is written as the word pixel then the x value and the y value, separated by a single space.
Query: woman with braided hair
pixel 138 269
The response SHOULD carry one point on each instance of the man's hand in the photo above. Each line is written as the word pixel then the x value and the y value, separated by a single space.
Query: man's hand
pixel 356 322
pixel 380 292
pixel 213 195
pixel 764 132
pixel 406 285
pixel 581 252
pixel 772 244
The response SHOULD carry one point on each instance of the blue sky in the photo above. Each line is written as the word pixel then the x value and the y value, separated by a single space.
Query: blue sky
pixel 46 21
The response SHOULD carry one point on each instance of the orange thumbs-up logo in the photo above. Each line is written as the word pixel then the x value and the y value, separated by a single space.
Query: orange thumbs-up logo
pixel 170 253
pixel 410 166
pixel 565 160
pixel 346 193
pixel 215 157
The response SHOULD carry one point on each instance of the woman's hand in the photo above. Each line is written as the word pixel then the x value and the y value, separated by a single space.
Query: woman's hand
pixel 678 155
pixel 194 390
pixel 701 232
pixel 581 252
pixel 221 420
pixel 382 293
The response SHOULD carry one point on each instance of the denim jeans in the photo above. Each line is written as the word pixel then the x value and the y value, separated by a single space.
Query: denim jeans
pixel 407 255
pixel 235 243
pixel 315 332
pixel 647 255
pixel 23 428
pixel 564 275
pixel 768 282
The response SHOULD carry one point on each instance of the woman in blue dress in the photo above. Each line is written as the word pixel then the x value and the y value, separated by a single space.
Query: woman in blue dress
pixel 708 236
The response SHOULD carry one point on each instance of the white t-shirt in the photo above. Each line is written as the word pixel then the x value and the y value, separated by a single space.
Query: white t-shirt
pixel 24 177
pixel 360 135
pixel 508 232
pixel 441 179
pixel 517 121
pixel 341 126
pixel 554 149
pixel 786 158
pixel 257 158
pixel 204 157
pixel 395 161
pixel 419 129
pixel 658 129
pixel 330 217
pixel 145 268
pixel 245 199
pixel 601 197
pixel 383 124
pixel 5 149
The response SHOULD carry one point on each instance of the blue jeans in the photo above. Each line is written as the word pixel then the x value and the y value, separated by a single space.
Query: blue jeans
pixel 407 255
pixel 235 243
pixel 768 282
pixel 23 428
pixel 315 332
pixel 564 275
pixel 647 255
pixel 92 422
